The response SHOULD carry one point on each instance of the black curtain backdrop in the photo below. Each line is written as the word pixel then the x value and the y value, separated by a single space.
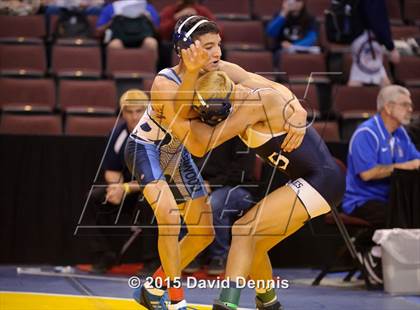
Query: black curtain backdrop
pixel 404 201
pixel 43 189
pixel 44 183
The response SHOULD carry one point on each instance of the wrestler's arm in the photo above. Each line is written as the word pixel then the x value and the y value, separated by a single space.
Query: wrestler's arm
pixel 211 137
pixel 237 122
pixel 252 80
pixel 163 93
pixel 295 124
pixel 199 138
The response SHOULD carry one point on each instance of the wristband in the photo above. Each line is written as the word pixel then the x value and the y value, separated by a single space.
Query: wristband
pixel 127 188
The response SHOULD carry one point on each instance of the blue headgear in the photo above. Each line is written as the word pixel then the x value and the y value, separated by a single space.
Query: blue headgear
pixel 214 110
pixel 183 39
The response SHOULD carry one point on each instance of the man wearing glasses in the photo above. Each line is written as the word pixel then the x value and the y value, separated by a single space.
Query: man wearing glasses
pixel 377 147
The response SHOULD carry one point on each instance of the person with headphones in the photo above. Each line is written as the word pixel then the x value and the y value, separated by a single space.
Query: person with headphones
pixel 169 179
pixel 259 117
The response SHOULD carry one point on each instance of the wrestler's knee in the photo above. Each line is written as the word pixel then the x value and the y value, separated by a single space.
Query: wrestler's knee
pixel 163 203
pixel 203 234
pixel 242 233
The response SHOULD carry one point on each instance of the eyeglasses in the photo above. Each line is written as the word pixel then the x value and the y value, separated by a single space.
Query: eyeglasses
pixel 404 104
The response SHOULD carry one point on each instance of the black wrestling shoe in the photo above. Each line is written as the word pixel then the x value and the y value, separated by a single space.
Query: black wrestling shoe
pixel 274 305
pixel 192 267
pixel 105 262
pixel 216 266
pixel 220 305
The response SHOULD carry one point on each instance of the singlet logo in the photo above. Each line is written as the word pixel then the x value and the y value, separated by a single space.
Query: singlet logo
pixel 297 184
pixel 279 160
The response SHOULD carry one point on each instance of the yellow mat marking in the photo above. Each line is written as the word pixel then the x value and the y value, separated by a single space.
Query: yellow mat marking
pixel 32 301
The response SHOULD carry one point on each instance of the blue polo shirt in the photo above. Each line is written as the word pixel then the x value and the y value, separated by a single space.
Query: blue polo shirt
pixel 372 145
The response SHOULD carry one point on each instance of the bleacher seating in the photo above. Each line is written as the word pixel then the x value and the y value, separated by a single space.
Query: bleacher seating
pixel 253 61
pixel 265 9
pixel 354 105
pixel 328 131
pixel 130 63
pixel 22 60
pixel 27 94
pixel 77 125
pixel 239 9
pixel 78 96
pixel 412 11
pixel 394 12
pixel 301 67
pixel 31 58
pixel 245 35
pixel 407 70
pixel 22 29
pixel 308 97
pixel 75 61
pixel 317 8
pixel 404 32
pixel 31 124
pixel 355 101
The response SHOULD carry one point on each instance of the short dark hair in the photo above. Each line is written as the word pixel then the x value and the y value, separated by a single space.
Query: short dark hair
pixel 209 27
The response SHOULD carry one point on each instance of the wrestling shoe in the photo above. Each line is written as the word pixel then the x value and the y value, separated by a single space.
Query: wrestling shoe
pixel 216 266
pixel 220 305
pixel 192 267
pixel 373 267
pixel 151 298
pixel 274 305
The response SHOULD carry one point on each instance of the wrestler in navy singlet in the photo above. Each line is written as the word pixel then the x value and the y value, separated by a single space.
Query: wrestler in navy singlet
pixel 153 153
pixel 312 161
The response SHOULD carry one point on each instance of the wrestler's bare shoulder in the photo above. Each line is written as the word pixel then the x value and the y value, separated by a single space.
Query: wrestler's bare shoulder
pixel 228 67
pixel 161 83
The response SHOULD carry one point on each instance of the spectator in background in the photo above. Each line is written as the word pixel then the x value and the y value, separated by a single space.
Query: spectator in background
pixel 72 21
pixel 367 66
pixel 377 147
pixel 228 172
pixel 168 18
pixel 129 23
pixel 122 193
pixel 19 7
pixel 88 7
pixel 171 13
pixel 293 27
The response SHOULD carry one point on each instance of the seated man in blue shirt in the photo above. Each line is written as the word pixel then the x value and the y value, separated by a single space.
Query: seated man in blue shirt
pixel 377 147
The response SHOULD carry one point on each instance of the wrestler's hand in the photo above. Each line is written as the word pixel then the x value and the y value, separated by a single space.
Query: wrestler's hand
pixel 295 127
pixel 195 57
